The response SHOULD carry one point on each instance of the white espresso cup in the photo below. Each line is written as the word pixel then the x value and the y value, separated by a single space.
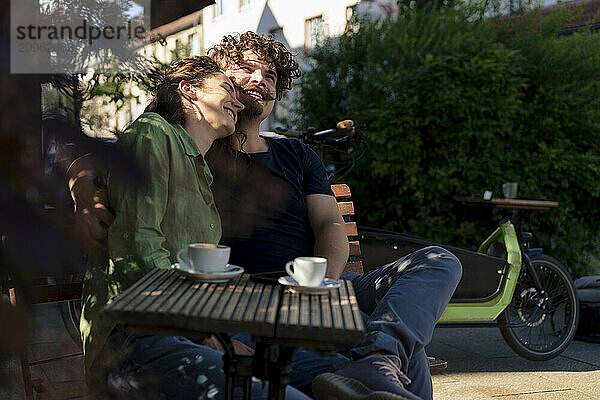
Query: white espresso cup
pixel 204 257
pixel 307 271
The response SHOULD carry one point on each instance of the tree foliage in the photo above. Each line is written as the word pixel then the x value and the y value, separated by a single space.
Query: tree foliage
pixel 456 104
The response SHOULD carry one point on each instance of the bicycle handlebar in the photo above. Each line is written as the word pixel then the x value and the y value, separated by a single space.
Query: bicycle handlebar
pixel 345 126
pixel 344 143
pixel 287 132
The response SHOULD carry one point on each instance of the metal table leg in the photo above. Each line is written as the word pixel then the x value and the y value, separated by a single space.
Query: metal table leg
pixel 234 365
pixel 274 363
pixel 229 363
pixel 271 362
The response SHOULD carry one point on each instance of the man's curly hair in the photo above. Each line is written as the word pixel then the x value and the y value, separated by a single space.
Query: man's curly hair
pixel 231 48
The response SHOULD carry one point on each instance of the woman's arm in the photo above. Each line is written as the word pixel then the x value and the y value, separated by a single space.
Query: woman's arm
pixel 136 240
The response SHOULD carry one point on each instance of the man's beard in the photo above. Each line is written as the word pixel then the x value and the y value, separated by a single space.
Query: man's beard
pixel 252 108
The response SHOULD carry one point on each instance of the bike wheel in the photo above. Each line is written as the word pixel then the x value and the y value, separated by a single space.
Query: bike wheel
pixel 70 312
pixel 553 314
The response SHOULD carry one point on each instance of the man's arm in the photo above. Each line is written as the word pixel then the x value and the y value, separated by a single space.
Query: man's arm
pixel 329 230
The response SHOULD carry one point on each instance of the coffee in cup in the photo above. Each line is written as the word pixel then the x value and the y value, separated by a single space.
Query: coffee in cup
pixel 204 257
pixel 307 271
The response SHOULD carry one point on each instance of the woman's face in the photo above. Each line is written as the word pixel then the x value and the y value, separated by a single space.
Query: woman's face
pixel 217 105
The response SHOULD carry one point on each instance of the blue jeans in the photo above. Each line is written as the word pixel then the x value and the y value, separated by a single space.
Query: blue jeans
pixel 174 367
pixel 401 303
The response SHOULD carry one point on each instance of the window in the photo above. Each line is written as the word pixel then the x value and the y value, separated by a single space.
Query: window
pixel 194 44
pixel 219 8
pixel 179 50
pixel 314 32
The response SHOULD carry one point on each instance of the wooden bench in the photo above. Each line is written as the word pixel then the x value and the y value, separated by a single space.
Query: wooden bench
pixel 342 194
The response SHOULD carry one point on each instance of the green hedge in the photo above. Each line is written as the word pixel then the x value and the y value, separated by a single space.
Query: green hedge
pixel 455 104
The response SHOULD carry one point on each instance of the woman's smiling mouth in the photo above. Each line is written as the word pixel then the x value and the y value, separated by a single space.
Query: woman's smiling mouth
pixel 231 114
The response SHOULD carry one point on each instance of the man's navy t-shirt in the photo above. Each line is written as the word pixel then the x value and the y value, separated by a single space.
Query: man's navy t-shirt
pixel 262 202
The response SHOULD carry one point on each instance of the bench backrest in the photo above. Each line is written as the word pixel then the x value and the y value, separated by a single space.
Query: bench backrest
pixel 342 194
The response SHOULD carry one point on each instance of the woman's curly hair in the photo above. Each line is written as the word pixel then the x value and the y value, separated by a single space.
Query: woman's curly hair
pixel 231 48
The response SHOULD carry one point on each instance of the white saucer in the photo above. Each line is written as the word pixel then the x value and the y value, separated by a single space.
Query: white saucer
pixel 293 286
pixel 232 271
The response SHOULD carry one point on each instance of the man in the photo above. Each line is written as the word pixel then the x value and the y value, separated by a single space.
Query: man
pixel 401 301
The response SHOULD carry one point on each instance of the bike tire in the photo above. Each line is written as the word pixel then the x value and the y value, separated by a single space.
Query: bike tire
pixel 554 324
pixel 70 312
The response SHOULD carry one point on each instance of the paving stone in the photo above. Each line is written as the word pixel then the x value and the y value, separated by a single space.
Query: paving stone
pixel 474 341
pixel 65 390
pixel 583 351
pixel 586 382
pixel 69 369
pixel 58 348
pixel 456 390
pixel 45 317
pixel 507 383
pixel 568 394
pixel 482 366
pixel 11 383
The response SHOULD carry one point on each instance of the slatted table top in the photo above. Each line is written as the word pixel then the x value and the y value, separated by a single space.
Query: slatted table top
pixel 333 318
pixel 166 302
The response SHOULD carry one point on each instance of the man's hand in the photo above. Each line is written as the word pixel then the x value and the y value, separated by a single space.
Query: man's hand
pixel 239 348
pixel 92 216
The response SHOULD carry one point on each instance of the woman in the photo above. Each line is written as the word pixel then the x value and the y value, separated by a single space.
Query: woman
pixel 194 104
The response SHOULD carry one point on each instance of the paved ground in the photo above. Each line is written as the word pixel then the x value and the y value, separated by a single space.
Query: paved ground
pixel 481 366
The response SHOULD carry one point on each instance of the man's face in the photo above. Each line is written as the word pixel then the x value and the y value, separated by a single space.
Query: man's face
pixel 257 79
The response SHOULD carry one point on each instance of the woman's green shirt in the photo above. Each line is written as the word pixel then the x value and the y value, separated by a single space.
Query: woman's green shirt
pixel 172 207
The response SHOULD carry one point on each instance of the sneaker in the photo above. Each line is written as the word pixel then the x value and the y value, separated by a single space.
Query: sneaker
pixel 330 386
pixel 376 377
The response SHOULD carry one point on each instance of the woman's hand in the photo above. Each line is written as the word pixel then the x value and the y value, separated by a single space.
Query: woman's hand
pixel 87 185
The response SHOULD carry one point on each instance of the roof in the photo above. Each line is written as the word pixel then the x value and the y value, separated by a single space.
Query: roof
pixel 163 12
pixel 589 12
pixel 175 26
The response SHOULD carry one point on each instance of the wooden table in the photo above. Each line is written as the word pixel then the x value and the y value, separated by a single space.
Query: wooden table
pixel 167 303
pixel 522 204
